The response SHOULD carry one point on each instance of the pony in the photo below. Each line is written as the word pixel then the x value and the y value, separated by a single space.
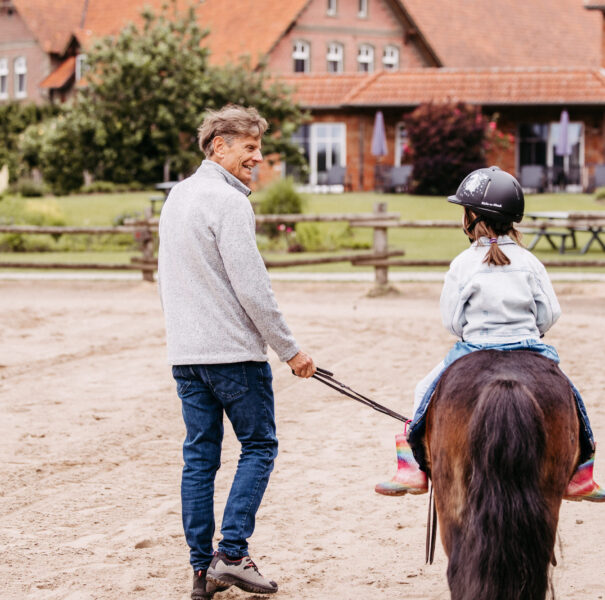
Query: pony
pixel 501 444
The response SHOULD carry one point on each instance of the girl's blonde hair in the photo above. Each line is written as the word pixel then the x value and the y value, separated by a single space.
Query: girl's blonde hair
pixel 484 227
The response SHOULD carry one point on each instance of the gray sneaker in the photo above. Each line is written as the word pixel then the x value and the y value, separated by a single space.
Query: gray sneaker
pixel 241 572
pixel 202 589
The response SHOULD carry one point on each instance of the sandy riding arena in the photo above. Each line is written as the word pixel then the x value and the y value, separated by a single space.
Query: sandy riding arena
pixel 91 433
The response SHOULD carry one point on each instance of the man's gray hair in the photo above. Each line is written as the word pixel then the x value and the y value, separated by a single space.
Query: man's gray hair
pixel 229 122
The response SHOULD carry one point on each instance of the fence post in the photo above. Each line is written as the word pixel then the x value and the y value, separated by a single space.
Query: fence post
pixel 145 237
pixel 381 274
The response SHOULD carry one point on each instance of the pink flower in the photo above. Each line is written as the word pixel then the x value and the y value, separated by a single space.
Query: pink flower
pixel 492 125
pixel 289 230
pixel 281 227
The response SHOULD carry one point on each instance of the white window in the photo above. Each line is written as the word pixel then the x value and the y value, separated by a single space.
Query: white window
pixel 20 77
pixel 324 146
pixel 362 9
pixel 331 12
pixel 365 59
pixel 300 55
pixel 3 78
pixel 80 66
pixel 335 58
pixel 401 144
pixel 390 58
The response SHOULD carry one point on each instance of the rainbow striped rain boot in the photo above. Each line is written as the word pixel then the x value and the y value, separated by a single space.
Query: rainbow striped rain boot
pixel 583 486
pixel 409 479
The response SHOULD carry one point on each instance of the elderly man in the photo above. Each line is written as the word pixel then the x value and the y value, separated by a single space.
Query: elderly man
pixel 220 313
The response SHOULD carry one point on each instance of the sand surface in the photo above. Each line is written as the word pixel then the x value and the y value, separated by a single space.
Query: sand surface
pixel 91 433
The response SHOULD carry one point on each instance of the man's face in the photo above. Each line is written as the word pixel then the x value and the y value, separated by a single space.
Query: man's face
pixel 239 158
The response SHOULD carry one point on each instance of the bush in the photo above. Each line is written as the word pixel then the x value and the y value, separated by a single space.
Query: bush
pixel 447 143
pixel 281 198
pixel 599 193
pixel 28 188
pixel 109 187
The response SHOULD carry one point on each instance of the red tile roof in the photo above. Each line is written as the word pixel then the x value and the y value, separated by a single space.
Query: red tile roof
pixel 244 27
pixel 324 90
pixel 509 33
pixel 51 22
pixel 521 86
pixel 61 75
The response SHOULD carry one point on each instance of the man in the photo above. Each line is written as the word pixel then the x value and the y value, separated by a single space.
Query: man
pixel 220 314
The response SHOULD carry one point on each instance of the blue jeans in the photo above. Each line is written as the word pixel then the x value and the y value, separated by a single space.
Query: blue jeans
pixel 244 391
pixel 460 349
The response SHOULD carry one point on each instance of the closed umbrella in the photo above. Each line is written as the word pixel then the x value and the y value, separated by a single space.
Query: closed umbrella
pixel 562 148
pixel 379 137
pixel 379 149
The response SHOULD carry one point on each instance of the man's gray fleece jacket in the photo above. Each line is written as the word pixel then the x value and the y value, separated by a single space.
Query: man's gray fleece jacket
pixel 216 294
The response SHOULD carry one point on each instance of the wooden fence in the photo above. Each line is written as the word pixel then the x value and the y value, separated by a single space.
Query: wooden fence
pixel 380 257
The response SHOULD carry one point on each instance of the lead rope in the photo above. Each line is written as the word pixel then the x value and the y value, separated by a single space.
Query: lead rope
pixel 327 378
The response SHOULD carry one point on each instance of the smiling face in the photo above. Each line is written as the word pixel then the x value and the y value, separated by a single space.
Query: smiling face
pixel 240 157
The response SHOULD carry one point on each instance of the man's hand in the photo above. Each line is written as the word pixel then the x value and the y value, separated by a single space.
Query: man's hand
pixel 302 365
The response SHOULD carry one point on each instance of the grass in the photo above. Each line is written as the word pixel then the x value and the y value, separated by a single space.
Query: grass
pixel 429 244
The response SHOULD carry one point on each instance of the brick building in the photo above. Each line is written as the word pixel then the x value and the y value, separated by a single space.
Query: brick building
pixel 526 60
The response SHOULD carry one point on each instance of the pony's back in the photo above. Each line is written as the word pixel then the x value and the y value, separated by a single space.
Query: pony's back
pixel 502 437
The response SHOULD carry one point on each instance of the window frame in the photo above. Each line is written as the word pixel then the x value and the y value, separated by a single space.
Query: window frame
pixel 4 74
pixel 80 66
pixel 304 54
pixel 390 63
pixel 338 57
pixel 362 9
pixel 367 58
pixel 332 8
pixel 20 70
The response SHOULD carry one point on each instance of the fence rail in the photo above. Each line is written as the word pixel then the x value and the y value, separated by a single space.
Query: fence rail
pixel 380 257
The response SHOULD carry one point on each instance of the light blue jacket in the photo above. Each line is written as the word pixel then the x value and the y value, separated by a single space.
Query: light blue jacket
pixel 491 304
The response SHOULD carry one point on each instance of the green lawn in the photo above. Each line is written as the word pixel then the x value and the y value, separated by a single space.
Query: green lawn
pixel 430 244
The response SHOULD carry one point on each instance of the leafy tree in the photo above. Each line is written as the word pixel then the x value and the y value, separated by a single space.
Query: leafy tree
pixel 447 141
pixel 14 119
pixel 147 92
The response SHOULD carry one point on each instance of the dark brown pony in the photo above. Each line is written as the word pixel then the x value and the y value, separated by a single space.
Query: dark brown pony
pixel 501 446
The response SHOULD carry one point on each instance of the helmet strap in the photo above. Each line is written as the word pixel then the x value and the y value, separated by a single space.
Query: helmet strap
pixel 469 229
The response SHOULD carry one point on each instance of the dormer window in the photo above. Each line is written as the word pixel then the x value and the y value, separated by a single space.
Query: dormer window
pixel 20 77
pixel 300 56
pixel 390 58
pixel 331 11
pixel 362 9
pixel 3 78
pixel 365 59
pixel 335 57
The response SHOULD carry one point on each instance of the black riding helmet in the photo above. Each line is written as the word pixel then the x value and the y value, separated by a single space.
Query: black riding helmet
pixel 492 193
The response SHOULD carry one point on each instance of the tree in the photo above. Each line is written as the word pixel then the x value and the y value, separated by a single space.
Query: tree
pixel 147 90
pixel 447 142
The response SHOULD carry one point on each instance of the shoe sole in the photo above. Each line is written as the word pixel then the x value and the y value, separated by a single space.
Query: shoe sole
pixel 242 584
pixel 401 492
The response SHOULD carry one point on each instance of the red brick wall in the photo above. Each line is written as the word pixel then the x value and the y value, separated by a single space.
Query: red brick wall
pixel 16 40
pixel 381 27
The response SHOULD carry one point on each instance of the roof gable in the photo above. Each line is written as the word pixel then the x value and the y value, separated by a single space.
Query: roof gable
pixel 51 22
pixel 511 33
pixel 246 28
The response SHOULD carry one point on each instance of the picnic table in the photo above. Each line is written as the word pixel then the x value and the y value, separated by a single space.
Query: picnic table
pixel 563 226
pixel 158 199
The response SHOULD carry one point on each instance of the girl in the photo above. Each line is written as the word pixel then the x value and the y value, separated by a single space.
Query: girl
pixel 496 295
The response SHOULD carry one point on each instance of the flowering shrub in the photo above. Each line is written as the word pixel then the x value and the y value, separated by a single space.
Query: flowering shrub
pixel 447 142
